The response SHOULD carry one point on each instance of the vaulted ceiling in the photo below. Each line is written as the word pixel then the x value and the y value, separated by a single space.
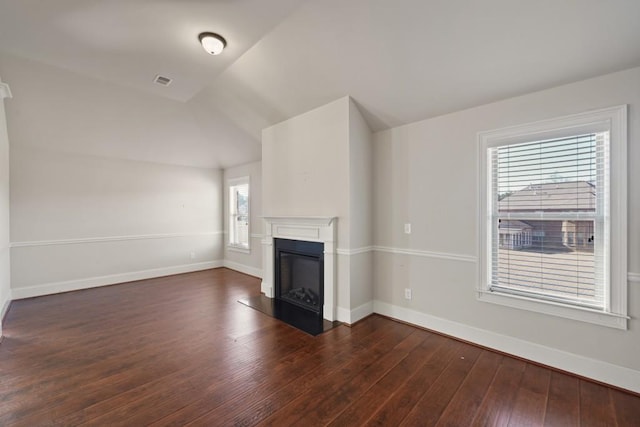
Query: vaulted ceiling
pixel 401 60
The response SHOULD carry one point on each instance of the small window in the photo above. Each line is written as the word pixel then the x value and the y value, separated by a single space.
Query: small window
pixel 239 213
pixel 553 231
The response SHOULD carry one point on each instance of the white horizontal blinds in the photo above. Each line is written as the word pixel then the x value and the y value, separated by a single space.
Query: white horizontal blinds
pixel 239 214
pixel 548 218
pixel 603 217
pixel 242 199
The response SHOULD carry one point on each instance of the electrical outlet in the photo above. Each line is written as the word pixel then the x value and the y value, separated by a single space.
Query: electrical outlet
pixel 407 293
pixel 193 255
pixel 407 228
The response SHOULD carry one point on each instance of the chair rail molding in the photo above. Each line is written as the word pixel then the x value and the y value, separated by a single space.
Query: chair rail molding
pixel 110 239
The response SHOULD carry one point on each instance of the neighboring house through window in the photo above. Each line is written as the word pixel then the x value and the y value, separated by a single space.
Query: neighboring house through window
pixel 553 224
pixel 239 213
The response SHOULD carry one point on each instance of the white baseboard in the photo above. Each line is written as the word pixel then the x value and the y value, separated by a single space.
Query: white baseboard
pixel 266 289
pixel 608 373
pixel 343 315
pixel 361 312
pixel 4 307
pixel 251 271
pixel 352 316
pixel 112 279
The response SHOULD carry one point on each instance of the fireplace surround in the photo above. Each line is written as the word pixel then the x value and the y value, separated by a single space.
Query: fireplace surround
pixel 303 229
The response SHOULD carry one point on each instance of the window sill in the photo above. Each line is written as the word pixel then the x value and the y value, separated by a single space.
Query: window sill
pixel 241 249
pixel 582 314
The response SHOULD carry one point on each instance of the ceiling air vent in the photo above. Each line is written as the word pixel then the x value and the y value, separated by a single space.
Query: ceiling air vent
pixel 162 80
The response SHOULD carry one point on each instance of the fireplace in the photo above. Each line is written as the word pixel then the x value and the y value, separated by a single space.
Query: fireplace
pixel 299 273
pixel 305 231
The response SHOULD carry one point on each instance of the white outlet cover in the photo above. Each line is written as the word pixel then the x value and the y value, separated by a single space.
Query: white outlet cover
pixel 407 228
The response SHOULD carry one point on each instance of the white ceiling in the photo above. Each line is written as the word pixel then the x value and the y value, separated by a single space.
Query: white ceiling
pixel 401 60
pixel 131 41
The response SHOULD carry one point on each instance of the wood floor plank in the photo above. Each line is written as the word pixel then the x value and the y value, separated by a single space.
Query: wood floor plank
pixel 429 408
pixel 396 408
pixel 263 402
pixel 91 377
pixel 322 383
pixel 161 392
pixel 343 392
pixel 464 405
pixel 596 408
pixel 367 403
pixel 261 384
pixel 563 404
pixel 531 399
pixel 497 405
pixel 180 350
pixel 626 407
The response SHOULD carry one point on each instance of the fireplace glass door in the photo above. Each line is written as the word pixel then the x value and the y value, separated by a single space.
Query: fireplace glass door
pixel 299 273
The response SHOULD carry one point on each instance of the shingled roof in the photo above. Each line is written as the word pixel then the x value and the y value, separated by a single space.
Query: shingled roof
pixel 554 196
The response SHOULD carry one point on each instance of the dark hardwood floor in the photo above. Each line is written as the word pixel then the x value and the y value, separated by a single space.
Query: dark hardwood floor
pixel 181 350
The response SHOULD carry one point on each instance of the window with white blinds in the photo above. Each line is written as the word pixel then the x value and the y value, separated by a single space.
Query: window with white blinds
pixel 239 213
pixel 551 223
pixel 549 213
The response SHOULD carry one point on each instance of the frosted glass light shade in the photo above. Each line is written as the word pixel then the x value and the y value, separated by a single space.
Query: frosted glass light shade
pixel 212 43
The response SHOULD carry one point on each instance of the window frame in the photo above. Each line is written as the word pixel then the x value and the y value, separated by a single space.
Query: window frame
pixel 613 120
pixel 232 214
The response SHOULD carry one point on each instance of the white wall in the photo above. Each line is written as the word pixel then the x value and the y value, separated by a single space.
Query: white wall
pixel 319 164
pixel 5 289
pixel 56 109
pixel 65 206
pixel 249 263
pixel 426 174
pixel 305 166
pixel 360 213
pixel 92 202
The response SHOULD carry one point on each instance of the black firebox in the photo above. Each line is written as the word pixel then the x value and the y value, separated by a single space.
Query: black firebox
pixel 299 273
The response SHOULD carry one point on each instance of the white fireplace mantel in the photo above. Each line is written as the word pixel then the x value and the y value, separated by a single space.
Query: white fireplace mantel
pixel 310 229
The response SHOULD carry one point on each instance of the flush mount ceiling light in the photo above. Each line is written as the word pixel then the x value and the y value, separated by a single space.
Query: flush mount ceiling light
pixel 212 43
